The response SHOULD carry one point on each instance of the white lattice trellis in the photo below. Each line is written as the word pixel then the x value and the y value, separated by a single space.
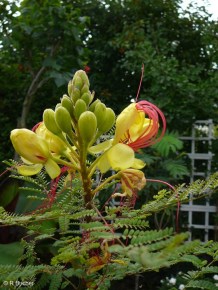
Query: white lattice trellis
pixel 198 215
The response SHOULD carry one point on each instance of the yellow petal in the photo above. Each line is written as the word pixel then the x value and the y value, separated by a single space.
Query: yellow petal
pixel 103 164
pixel 56 145
pixel 120 156
pixel 100 147
pixel 96 264
pixel 124 121
pixel 28 170
pixel 138 164
pixel 119 262
pixel 136 129
pixel 52 168
pixel 26 161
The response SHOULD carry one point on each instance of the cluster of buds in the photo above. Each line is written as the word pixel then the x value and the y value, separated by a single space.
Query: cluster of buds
pixel 69 133
pixel 76 114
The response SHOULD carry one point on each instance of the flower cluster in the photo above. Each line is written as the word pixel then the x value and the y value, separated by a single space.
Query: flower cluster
pixel 71 132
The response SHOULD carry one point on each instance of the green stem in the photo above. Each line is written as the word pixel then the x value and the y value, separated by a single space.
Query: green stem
pixel 72 138
pixel 102 185
pixel 68 155
pixel 86 180
pixel 72 150
pixel 63 162
pixel 92 167
pixel 105 222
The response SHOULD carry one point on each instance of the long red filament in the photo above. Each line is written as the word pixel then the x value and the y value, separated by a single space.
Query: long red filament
pixel 149 135
pixel 178 201
pixel 140 83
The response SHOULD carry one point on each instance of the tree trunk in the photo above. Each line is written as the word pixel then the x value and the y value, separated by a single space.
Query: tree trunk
pixel 34 86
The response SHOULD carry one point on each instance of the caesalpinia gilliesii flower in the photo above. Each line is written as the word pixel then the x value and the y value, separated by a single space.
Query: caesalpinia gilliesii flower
pixel 131 180
pixel 55 144
pixel 35 153
pixel 137 127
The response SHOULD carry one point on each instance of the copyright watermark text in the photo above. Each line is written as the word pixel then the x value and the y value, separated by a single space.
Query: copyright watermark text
pixel 17 284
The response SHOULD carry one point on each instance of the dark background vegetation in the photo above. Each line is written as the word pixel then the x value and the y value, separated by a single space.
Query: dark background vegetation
pixel 43 42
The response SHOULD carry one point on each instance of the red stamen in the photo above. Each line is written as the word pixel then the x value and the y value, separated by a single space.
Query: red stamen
pixel 140 83
pixel 54 185
pixel 4 172
pixel 178 202
pixel 36 126
pixel 149 136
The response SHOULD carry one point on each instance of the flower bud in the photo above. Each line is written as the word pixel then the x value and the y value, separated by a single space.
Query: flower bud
pixel 50 123
pixel 67 104
pixel 78 82
pixel 109 120
pixel 87 97
pixel 99 112
pixel 80 107
pixel 63 119
pixel 85 89
pixel 75 95
pixel 83 76
pixel 80 79
pixel 132 180
pixel 92 106
pixel 70 88
pixel 57 105
pixel 87 124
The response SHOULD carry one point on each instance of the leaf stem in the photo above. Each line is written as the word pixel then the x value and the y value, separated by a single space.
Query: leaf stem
pixel 105 182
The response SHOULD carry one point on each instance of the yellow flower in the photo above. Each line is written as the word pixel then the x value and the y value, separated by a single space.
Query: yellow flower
pixel 137 125
pixel 98 262
pixel 34 151
pixel 131 181
pixel 55 144
pixel 119 157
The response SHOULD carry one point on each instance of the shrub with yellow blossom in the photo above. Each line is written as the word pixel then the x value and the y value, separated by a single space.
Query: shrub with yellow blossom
pixel 68 134
pixel 68 157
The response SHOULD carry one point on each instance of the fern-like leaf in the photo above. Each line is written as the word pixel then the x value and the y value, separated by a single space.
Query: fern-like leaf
pixel 176 168
pixel 201 284
pixel 169 143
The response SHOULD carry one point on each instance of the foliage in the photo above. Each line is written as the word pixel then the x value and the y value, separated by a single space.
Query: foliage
pixel 65 168
pixel 178 49
pixel 118 240
pixel 165 161
pixel 41 47
pixel 113 38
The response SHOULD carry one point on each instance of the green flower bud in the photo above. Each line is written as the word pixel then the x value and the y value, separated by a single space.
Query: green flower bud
pixel 67 104
pixel 108 121
pixel 75 95
pixel 80 79
pixel 87 97
pixel 85 89
pixel 57 105
pixel 78 82
pixel 50 123
pixel 99 112
pixel 63 119
pixel 70 88
pixel 80 107
pixel 87 125
pixel 83 76
pixel 92 106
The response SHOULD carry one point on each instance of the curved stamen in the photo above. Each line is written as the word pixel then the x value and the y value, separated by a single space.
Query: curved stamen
pixel 149 135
